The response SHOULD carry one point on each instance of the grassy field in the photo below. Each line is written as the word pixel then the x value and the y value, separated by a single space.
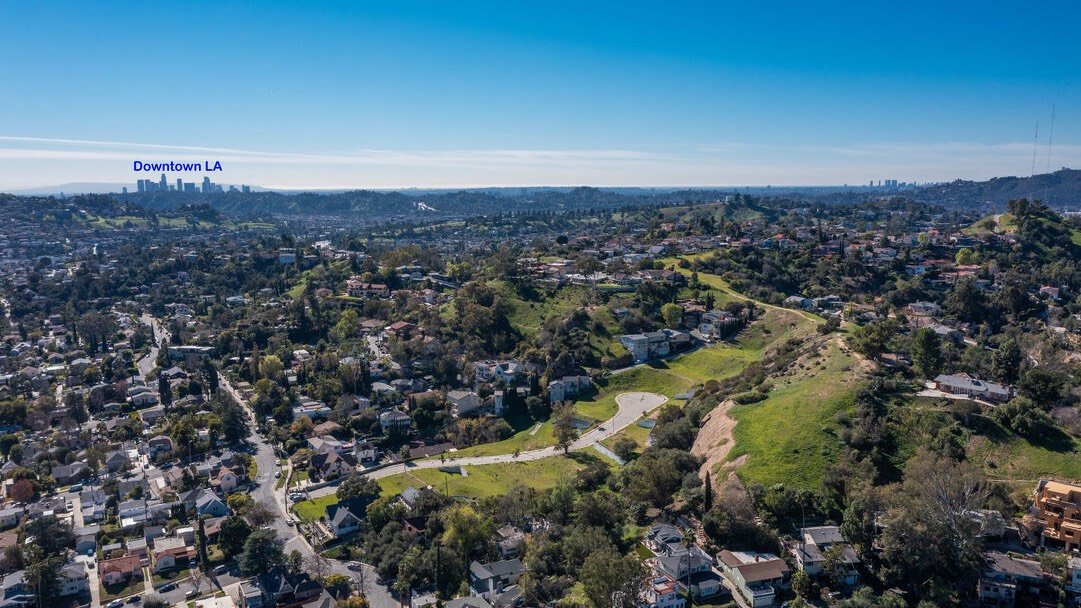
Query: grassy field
pixel 637 433
pixel 1003 455
pixel 492 479
pixel 596 408
pixel 310 510
pixel 788 437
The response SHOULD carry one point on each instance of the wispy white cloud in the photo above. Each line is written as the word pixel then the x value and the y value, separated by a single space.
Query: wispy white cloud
pixel 35 161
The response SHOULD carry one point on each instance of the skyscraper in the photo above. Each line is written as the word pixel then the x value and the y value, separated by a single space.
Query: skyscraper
pixel 164 183
pixel 179 185
pixel 206 184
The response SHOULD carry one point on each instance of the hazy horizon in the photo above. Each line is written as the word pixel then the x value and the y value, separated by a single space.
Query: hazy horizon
pixel 485 94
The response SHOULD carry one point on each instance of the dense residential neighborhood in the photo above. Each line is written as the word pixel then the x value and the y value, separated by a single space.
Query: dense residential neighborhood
pixel 747 402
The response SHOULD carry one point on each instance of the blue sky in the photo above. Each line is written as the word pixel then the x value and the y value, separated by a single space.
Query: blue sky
pixel 388 94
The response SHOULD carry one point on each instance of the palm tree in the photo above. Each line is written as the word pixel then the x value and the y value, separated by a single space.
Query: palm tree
pixel 687 537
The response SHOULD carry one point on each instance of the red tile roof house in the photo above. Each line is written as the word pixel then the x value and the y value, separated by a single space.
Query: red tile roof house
pixel 119 570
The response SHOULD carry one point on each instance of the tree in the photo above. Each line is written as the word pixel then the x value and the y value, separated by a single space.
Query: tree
pixel 1045 388
pixel 294 560
pixel 873 339
pixel 930 543
pixel 261 515
pixel 672 315
pixel 624 447
pixel 966 301
pixel 464 529
pixel 262 551
pixel 270 366
pixel 234 532
pixel 358 487
pixel 565 433
pixel 165 391
pixel 611 580
pixel 1020 415
pixel 338 584
pixel 51 536
pixel 966 257
pixel 239 502
pixel 1006 361
pixel 927 352
pixel 44 578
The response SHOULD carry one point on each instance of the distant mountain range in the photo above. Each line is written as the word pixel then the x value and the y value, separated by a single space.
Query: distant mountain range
pixel 1059 190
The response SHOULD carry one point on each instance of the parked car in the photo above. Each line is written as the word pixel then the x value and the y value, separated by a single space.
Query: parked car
pixel 166 587
pixel 277 474
pixel 221 569
pixel 191 594
pixel 135 599
pixel 115 604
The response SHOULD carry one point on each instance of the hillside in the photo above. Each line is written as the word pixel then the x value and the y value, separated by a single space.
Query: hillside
pixel 1061 189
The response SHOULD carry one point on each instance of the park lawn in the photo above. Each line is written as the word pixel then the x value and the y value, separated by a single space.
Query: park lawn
pixel 652 378
pixel 716 362
pixel 483 481
pixel 521 441
pixel 790 437
pixel 637 433
pixel 596 408
pixel 311 510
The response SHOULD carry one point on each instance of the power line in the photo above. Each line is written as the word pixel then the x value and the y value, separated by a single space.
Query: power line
pixel 1050 138
pixel 1035 145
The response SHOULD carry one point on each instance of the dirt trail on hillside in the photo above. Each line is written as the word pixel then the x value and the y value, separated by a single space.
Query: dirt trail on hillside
pixel 715 441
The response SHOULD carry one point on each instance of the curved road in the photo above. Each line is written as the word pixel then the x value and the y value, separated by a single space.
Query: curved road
pixel 632 406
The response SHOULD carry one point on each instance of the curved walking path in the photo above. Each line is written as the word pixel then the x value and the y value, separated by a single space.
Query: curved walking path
pixel 632 406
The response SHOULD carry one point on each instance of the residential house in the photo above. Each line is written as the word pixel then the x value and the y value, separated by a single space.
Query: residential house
pixel 1057 512
pixel 1007 581
pixel 279 587
pixel 332 464
pixel 17 593
pixel 171 552
pixel 717 324
pixel 73 580
pixel 567 388
pixel 969 386
pixel 491 579
pixel 71 473
pixel 463 402
pixel 119 570
pixel 754 576
pixel 225 480
pixel 663 592
pixel 345 517
pixel 11 516
pixel 811 549
pixel 117 460
pixel 210 504
pixel 394 419
pixel 365 452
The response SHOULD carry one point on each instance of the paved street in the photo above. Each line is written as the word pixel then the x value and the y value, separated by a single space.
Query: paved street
pixel 264 492
pixel 632 406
